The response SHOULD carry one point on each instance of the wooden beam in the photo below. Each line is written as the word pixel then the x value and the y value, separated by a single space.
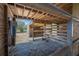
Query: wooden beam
pixel 43 16
pixel 33 32
pixel 10 9
pixel 35 14
pixel 14 35
pixel 23 11
pixel 1 5
pixel 16 10
pixel 29 13
pixel 6 29
pixel 19 5
pixel 48 17
pixel 62 4
pixel 35 20
pixel 41 13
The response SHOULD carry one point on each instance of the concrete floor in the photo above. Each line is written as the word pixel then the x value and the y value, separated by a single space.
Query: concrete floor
pixel 37 48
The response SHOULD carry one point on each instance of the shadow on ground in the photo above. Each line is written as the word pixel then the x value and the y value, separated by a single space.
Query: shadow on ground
pixel 37 48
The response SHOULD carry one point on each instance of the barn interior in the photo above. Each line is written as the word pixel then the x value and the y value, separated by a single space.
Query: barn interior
pixel 39 29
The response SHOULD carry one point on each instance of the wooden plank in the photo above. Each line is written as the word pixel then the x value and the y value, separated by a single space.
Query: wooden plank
pixel 34 16
pixel 12 9
pixel 58 16
pixel 9 10
pixel 23 12
pixel 33 32
pixel 44 15
pixel 13 37
pixel 6 29
pixel 29 13
pixel 38 15
pixel 15 9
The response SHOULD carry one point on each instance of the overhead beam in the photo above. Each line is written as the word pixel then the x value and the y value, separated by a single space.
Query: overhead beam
pixel 29 12
pixel 62 12
pixel 43 16
pixel 23 11
pixel 9 10
pixel 61 5
pixel 35 14
pixel 35 20
pixel 41 13
pixel 21 6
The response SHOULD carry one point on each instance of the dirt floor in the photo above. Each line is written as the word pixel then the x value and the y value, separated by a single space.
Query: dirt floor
pixel 37 48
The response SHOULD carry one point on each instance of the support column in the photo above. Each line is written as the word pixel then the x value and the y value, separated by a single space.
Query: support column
pixel 28 31
pixel 51 29
pixel 70 37
pixel 6 29
pixel 13 31
pixel 44 32
pixel 75 12
pixel 33 32
pixel 70 32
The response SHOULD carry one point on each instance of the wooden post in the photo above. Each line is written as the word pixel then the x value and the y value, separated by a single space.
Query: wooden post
pixel 42 31
pixel 70 35
pixel 45 30
pixel 33 32
pixel 13 31
pixel 69 32
pixel 6 29
pixel 51 29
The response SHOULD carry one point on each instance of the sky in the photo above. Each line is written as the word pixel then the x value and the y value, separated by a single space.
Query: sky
pixel 26 21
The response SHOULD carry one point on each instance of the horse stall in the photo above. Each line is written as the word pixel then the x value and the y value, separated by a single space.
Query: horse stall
pixel 39 29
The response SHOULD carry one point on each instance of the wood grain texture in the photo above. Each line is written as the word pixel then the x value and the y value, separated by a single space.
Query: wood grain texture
pixel 1 31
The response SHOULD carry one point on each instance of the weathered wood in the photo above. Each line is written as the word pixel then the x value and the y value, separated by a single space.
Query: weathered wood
pixel 54 17
pixel 70 33
pixel 23 11
pixel 14 34
pixel 6 29
pixel 33 32
pixel 9 10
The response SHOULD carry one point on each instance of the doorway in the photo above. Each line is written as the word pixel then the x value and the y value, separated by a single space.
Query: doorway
pixel 22 30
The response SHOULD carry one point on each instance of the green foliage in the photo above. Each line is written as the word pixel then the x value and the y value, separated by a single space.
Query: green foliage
pixel 21 27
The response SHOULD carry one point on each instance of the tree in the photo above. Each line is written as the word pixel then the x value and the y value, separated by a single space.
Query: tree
pixel 21 26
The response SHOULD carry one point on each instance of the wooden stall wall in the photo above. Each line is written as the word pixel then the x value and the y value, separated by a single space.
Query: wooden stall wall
pixel 36 30
pixel 2 37
pixel 75 23
pixel 75 29
pixel 62 31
